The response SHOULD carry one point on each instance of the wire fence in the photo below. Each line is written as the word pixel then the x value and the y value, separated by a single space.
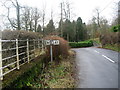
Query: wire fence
pixel 15 53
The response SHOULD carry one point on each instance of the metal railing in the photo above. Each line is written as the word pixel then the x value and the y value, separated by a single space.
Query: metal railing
pixel 15 53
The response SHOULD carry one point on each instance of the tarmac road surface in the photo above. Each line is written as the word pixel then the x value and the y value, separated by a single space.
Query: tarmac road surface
pixel 97 68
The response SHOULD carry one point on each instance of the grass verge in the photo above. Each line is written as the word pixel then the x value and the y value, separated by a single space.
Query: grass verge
pixel 57 75
pixel 114 47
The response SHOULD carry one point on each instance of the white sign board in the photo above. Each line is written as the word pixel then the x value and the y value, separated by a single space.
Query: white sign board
pixel 47 42
pixel 52 42
pixel 55 42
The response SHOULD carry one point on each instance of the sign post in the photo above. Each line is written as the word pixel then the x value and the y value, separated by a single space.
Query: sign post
pixel 51 52
pixel 50 43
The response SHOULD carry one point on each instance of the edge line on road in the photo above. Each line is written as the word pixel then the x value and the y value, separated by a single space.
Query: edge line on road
pixel 96 51
pixel 105 57
pixel 108 59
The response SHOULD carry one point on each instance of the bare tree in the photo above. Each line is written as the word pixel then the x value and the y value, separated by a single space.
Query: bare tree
pixel 26 17
pixel 65 14
pixel 61 20
pixel 97 12
pixel 36 18
pixel 16 5
pixel 43 20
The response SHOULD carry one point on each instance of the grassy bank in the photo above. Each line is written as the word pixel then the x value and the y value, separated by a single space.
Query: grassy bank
pixel 114 47
pixel 23 77
pixel 97 40
pixel 53 75
pixel 56 75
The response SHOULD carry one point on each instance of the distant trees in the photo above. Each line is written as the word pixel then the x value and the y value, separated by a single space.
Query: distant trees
pixel 79 30
pixel 74 31
pixel 32 19
pixel 98 25
pixel 39 28
pixel 94 30
pixel 71 31
pixel 50 28
pixel 15 23
pixel 27 18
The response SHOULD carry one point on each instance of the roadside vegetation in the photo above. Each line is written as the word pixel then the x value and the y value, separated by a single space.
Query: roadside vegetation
pixel 30 23
pixel 87 43
pixel 57 75
pixel 109 41
pixel 44 73
pixel 114 47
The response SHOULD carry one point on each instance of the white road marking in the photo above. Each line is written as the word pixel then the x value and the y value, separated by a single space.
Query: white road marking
pixel 96 51
pixel 108 59
pixel 105 57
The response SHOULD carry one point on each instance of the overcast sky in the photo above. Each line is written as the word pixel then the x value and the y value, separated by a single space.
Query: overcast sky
pixel 80 8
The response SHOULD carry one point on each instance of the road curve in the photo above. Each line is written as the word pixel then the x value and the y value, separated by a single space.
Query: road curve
pixel 97 68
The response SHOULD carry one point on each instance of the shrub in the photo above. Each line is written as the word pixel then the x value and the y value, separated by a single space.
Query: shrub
pixel 116 28
pixel 87 43
pixel 58 50
pixel 110 38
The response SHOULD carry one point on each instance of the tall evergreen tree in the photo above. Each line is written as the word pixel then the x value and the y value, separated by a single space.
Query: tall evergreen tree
pixel 79 30
pixel 50 27
pixel 39 28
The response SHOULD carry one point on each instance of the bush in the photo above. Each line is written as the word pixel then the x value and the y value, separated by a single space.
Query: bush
pixel 58 50
pixel 116 28
pixel 110 38
pixel 87 43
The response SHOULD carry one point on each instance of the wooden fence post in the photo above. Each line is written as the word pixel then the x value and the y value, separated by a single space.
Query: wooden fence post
pixel 1 71
pixel 17 53
pixel 28 57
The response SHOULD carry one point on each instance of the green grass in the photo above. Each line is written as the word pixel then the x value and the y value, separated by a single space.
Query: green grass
pixel 60 76
pixel 112 47
pixel 56 75
pixel 97 40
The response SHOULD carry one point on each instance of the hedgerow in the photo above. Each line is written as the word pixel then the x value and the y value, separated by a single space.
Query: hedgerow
pixel 87 43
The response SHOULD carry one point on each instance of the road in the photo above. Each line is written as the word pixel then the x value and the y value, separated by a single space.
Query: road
pixel 97 68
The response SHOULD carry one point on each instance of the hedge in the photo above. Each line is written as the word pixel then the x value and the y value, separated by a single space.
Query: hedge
pixel 87 43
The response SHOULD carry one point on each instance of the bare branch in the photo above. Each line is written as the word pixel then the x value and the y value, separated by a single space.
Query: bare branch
pixel 10 19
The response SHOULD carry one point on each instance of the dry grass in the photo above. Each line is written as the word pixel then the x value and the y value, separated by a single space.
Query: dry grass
pixel 61 75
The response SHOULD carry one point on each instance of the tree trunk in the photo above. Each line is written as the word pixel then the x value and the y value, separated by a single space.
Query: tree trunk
pixel 18 16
